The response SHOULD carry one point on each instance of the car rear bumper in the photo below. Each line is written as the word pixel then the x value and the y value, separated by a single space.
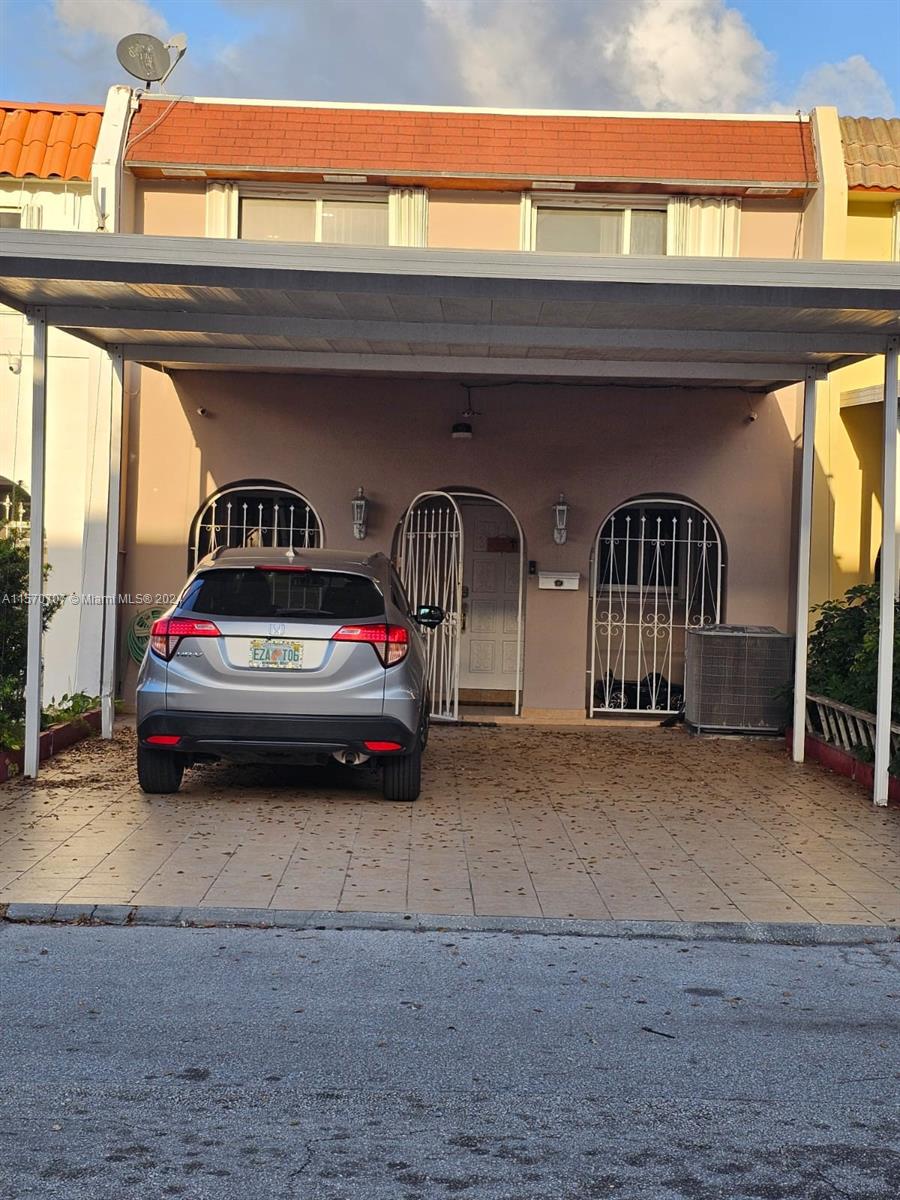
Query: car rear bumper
pixel 249 737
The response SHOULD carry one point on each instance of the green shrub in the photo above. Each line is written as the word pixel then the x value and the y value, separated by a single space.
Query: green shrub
pixel 843 649
pixel 68 707
pixel 14 634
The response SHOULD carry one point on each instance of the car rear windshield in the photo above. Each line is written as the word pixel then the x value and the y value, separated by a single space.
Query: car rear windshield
pixel 257 592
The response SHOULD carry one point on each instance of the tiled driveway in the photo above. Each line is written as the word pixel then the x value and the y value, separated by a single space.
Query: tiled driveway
pixel 630 823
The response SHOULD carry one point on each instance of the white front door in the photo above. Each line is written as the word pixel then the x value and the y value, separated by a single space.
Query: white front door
pixel 491 569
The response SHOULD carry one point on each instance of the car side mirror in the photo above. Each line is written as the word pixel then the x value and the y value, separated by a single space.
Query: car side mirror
pixel 429 615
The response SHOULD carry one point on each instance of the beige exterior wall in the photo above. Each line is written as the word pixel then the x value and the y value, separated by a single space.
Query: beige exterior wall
pixel 770 229
pixel 170 209
pixel 825 215
pixel 473 220
pixel 602 446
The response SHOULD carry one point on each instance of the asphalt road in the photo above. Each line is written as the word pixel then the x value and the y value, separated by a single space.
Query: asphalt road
pixel 241 1064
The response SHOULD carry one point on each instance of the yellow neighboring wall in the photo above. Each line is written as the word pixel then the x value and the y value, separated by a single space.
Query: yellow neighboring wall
pixel 847 499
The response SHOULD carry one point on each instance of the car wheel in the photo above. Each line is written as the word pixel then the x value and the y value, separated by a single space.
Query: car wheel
pixel 402 776
pixel 159 770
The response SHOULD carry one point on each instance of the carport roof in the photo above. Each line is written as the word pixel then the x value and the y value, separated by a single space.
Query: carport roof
pixel 200 303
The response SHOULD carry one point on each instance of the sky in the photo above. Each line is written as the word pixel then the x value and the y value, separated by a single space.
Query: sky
pixel 675 55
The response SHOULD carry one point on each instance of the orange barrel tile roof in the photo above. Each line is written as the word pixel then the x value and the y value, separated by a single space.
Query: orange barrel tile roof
pixel 48 141
pixel 469 144
pixel 872 152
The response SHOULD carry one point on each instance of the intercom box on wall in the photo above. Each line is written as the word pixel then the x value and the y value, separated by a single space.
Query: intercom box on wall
pixel 559 581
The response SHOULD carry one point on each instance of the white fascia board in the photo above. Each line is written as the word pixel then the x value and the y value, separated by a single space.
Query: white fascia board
pixel 452 365
pixel 607 114
pixel 142 321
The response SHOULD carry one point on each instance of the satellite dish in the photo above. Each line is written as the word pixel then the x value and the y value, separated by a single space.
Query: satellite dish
pixel 143 56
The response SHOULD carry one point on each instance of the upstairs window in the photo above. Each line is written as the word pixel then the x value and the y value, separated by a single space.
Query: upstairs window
pixel 333 220
pixel 564 228
pixel 10 218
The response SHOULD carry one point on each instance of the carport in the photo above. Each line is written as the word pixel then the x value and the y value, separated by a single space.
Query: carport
pixel 195 304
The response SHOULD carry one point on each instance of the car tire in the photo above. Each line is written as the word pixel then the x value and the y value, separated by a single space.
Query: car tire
pixel 402 776
pixel 159 771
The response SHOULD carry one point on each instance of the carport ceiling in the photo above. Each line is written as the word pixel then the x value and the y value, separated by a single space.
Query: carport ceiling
pixel 201 303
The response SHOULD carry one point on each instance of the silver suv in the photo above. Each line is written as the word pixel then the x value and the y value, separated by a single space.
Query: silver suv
pixel 287 656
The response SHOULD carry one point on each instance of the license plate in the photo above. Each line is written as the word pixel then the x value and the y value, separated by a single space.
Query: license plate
pixel 276 653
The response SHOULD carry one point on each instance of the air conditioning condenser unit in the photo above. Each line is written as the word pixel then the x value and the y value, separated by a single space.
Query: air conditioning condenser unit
pixel 735 678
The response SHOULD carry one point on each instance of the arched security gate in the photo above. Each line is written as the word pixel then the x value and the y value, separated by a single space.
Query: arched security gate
pixel 658 570
pixel 439 563
pixel 253 513
pixel 431 569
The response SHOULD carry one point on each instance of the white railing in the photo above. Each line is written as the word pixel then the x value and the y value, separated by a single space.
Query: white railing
pixel 848 728
pixel 14 522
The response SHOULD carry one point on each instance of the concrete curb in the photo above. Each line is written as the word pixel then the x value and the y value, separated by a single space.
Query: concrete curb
pixel 789 934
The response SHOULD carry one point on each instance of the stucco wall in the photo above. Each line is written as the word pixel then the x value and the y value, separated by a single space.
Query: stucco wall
pixel 170 209
pixel 77 450
pixel 473 220
pixel 847 497
pixel 54 205
pixel 326 436
pixel 769 228
pixel 76 447
pixel 847 486
pixel 870 230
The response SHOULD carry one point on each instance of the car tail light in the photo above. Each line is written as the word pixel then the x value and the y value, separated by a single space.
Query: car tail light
pixel 163 739
pixel 390 642
pixel 382 747
pixel 166 633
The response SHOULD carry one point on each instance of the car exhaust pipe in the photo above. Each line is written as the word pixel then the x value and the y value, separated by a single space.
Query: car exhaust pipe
pixel 350 758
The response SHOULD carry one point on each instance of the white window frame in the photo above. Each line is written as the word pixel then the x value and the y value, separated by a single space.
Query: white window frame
pixel 15 208
pixel 625 204
pixel 407 207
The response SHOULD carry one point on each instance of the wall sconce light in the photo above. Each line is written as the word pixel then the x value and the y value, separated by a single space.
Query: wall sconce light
pixel 560 520
pixel 359 506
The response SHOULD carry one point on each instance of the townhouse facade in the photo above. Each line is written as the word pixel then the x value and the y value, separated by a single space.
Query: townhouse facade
pixel 650 480
pixel 575 502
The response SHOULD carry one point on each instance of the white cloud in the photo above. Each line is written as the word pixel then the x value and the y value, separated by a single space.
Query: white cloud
pixel 506 54
pixel 693 55
pixel 853 86
pixel 109 19
pixel 648 54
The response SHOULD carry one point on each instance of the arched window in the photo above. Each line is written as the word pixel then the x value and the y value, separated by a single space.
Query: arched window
pixel 658 570
pixel 253 513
